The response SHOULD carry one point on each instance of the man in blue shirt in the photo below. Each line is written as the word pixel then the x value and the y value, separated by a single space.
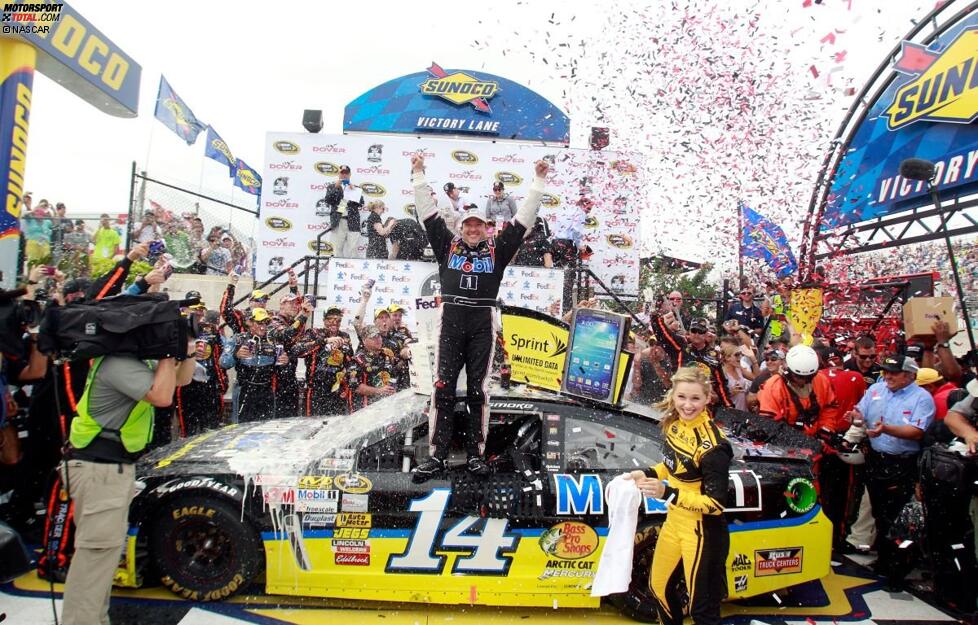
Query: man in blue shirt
pixel 895 413
pixel 745 312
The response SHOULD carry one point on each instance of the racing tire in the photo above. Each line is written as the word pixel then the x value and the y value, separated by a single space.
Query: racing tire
pixel 637 602
pixel 202 549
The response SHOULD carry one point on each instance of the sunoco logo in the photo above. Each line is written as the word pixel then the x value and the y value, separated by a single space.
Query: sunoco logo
pixel 286 147
pixel 459 88
pixel 278 223
pixel 324 248
pixel 549 200
pixel 410 210
pixel 944 87
pixel 621 241
pixel 508 178
pixel 327 169
pixel 372 189
pixel 463 156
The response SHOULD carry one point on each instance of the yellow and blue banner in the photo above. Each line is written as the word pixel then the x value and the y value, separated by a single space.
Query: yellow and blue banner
pixel 175 114
pixel 246 178
pixel 17 61
pixel 928 111
pixel 764 239
pixel 218 150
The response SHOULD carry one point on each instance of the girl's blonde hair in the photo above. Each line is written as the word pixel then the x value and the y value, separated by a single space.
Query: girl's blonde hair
pixel 691 375
pixel 729 350
pixel 374 205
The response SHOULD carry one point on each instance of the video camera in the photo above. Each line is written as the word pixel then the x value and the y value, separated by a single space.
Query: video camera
pixel 15 316
pixel 147 327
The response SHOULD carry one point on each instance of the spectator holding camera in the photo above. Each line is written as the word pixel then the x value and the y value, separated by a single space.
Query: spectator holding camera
pixel 377 230
pixel 746 313
pixel 217 255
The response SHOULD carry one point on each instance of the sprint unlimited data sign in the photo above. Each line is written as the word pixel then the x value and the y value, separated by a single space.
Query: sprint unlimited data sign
pixel 299 167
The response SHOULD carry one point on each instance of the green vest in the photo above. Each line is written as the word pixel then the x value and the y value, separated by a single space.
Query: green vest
pixel 135 433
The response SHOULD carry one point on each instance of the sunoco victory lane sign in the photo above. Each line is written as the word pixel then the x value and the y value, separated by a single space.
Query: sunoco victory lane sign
pixel 300 166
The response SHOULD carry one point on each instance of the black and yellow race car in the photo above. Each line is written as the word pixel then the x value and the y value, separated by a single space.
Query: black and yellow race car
pixel 326 507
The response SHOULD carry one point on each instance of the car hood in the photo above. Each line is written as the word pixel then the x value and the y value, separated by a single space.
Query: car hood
pixel 293 446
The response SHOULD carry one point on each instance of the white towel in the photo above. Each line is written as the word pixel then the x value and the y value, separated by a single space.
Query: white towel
pixel 615 567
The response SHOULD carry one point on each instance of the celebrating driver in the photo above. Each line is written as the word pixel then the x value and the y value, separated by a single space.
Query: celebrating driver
pixel 470 267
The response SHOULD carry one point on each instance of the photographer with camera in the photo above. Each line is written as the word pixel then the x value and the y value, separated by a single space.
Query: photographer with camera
pixel 113 427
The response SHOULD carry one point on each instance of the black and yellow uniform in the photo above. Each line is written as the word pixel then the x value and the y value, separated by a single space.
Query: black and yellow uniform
pixel 682 354
pixel 696 466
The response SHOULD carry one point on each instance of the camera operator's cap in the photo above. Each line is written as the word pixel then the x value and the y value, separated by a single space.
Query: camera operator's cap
pixel 77 285
pixel 449 187
pixel 896 364
pixel 259 294
pixel 472 213
pixel 381 311
pixel 333 310
pixel 914 350
pixel 699 323
pixel 370 331
pixel 393 308
pixel 259 314
pixel 926 375
pixel 195 295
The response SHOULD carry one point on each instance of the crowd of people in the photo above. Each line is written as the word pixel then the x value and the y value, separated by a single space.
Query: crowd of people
pixel 57 241
pixel 872 412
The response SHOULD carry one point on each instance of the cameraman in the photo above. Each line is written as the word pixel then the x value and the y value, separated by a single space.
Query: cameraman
pixel 113 426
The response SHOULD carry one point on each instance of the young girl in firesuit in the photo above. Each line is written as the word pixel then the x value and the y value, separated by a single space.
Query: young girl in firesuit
pixel 693 480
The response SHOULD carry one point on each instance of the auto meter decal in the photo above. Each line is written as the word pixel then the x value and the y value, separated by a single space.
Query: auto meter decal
pixel 354 484
pixel 569 540
pixel 778 561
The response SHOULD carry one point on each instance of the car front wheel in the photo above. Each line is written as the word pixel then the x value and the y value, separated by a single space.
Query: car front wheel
pixel 202 548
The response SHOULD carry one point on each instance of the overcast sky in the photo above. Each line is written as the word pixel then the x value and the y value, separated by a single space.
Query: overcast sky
pixel 251 67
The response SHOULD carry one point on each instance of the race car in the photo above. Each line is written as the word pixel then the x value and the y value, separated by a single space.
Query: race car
pixel 326 507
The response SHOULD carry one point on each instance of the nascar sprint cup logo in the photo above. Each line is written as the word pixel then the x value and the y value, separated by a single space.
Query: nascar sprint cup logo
pixel 286 147
pixel 464 157
pixel 327 169
pixel 372 189
pixel 508 178
pixel 279 224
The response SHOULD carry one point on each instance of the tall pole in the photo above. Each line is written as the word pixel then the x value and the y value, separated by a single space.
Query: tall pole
pixel 954 265
pixel 17 60
pixel 740 245
pixel 132 207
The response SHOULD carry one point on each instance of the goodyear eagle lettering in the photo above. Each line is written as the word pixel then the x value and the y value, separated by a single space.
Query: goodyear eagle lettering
pixel 945 90
pixel 18 149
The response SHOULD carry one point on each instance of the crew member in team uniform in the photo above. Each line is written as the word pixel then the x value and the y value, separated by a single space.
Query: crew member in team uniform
pixel 256 360
pixel 470 268
pixel 693 479
pixel 328 356
pixel 200 404
pixel 372 369
pixel 235 319
pixel 684 351
pixel 283 329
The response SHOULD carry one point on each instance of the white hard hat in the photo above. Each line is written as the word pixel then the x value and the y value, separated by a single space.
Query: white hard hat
pixel 802 360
